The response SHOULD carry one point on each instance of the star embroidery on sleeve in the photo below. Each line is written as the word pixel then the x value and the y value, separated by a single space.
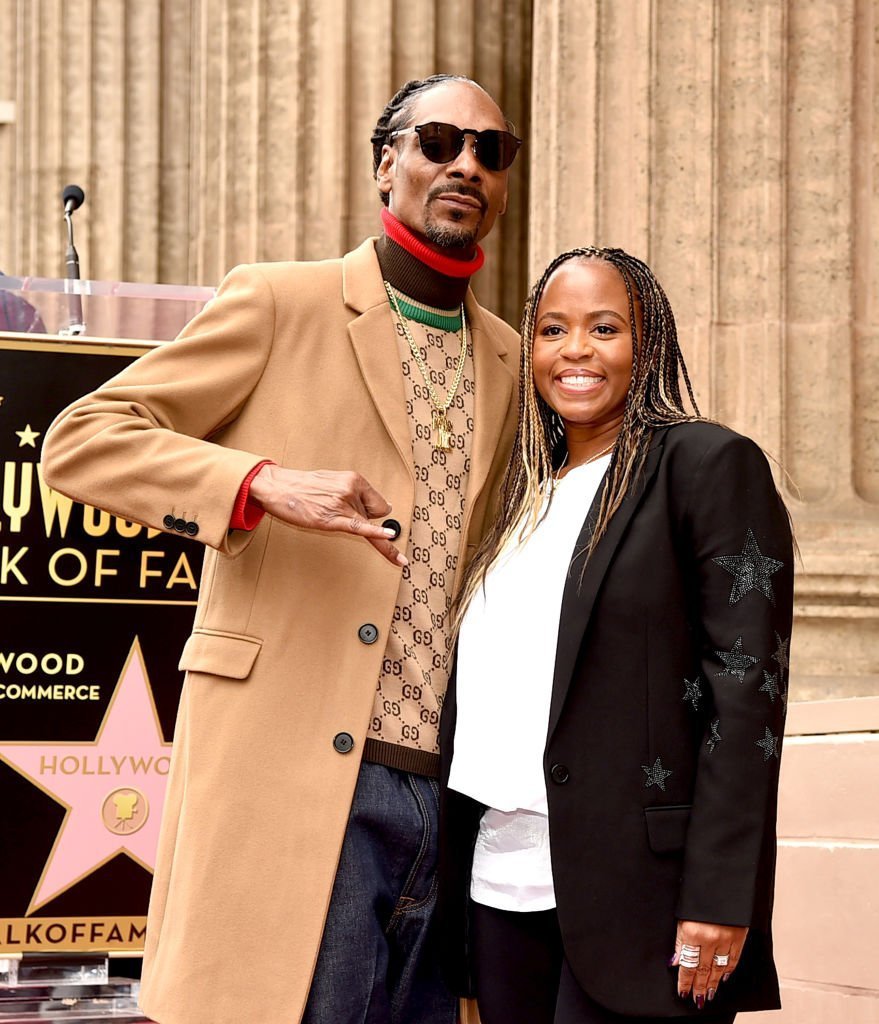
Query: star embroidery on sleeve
pixel 656 774
pixel 782 654
pixel 692 692
pixel 771 685
pixel 769 744
pixel 752 570
pixel 715 736
pixel 736 661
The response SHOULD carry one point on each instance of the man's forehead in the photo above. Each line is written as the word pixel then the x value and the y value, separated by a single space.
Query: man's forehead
pixel 458 103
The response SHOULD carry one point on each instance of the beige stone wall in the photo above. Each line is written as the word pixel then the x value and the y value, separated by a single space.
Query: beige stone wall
pixel 213 132
pixel 734 147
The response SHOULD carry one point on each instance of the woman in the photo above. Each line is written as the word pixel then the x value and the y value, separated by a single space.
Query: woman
pixel 612 735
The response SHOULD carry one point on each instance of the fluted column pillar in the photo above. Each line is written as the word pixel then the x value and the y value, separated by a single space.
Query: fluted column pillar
pixel 733 147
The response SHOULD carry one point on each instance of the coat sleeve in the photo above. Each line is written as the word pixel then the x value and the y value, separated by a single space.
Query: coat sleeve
pixel 742 587
pixel 137 447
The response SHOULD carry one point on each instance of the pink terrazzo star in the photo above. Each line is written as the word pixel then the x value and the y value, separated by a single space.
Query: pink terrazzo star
pixel 113 788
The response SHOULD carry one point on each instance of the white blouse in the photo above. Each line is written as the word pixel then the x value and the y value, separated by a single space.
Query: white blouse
pixel 506 661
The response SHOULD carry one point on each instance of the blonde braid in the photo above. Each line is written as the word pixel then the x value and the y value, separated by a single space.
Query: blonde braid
pixel 653 400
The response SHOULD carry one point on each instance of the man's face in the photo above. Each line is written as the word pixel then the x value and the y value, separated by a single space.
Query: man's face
pixel 453 205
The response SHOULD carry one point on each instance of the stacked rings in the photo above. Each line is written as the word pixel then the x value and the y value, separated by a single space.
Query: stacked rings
pixel 721 959
pixel 690 956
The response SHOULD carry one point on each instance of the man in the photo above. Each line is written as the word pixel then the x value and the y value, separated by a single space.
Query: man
pixel 322 396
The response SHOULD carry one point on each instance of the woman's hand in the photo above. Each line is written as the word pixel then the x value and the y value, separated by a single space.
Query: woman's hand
pixel 714 942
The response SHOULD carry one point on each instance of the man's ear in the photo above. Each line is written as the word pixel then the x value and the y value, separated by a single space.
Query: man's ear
pixel 384 176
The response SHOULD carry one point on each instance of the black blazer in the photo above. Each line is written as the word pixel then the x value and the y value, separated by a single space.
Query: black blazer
pixel 665 730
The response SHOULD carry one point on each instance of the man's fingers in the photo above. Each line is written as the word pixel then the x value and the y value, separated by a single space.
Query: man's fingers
pixel 358 525
pixel 373 503
pixel 392 554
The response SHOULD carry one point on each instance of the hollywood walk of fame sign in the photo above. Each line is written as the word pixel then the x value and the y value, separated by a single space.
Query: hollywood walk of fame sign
pixel 95 612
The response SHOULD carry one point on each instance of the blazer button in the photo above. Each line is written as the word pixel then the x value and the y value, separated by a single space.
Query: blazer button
pixel 180 525
pixel 392 524
pixel 192 529
pixel 559 774
pixel 368 633
pixel 343 742
pixel 168 522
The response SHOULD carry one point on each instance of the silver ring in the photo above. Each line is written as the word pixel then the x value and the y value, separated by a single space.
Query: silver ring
pixel 689 957
pixel 720 959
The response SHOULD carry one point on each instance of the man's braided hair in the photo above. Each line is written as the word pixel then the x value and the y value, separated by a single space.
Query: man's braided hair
pixel 398 111
pixel 653 400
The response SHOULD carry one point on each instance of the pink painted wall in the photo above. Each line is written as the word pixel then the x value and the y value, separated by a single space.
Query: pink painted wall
pixel 827 894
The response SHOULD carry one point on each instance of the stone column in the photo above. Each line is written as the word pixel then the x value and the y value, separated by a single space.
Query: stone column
pixel 733 146
pixel 216 132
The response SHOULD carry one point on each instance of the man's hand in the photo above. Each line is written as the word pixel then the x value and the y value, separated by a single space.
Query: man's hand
pixel 719 948
pixel 326 500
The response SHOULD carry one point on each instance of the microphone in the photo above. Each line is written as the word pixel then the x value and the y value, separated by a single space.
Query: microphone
pixel 72 197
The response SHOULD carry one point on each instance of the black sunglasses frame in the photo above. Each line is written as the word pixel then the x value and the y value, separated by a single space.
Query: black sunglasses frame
pixel 452 138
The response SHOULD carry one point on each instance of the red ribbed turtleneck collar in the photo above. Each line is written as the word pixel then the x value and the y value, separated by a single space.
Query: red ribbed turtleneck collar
pixel 397 231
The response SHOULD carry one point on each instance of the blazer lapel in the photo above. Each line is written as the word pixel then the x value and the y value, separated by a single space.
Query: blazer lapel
pixel 374 341
pixel 579 595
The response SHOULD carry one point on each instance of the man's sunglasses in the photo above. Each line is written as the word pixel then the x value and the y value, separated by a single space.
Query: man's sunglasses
pixel 441 143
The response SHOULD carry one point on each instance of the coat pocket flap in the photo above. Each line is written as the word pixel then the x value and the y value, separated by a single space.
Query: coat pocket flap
pixel 220 654
pixel 667 827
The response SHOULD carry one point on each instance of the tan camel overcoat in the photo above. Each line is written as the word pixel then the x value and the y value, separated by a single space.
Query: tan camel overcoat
pixel 295 362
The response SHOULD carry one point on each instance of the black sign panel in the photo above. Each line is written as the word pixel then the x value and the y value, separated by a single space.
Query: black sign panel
pixel 95 611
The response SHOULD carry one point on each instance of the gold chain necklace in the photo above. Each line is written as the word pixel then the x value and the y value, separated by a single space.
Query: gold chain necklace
pixel 442 427
pixel 585 462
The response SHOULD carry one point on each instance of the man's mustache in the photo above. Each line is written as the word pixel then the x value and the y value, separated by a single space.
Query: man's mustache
pixel 461 190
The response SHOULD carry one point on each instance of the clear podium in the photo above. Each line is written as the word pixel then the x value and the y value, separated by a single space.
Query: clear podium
pixel 97 610
pixel 116 310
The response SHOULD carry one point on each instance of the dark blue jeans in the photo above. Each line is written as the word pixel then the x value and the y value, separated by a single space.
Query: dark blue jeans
pixel 378 962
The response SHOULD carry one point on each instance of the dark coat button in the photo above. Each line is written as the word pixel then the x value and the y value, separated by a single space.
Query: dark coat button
pixel 368 633
pixel 192 529
pixel 168 522
pixel 343 742
pixel 559 774
pixel 180 525
pixel 392 524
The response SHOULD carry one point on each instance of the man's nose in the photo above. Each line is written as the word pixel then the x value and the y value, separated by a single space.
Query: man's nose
pixel 466 164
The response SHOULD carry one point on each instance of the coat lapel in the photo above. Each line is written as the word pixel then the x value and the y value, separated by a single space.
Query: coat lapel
pixel 579 595
pixel 494 386
pixel 374 341
pixel 375 346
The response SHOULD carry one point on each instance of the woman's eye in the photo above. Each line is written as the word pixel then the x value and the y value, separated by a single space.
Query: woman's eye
pixel 551 331
pixel 604 329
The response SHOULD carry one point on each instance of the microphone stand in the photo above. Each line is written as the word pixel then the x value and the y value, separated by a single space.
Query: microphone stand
pixel 76 324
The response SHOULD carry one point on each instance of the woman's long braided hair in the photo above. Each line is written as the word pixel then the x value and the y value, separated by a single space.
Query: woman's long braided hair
pixel 397 112
pixel 653 400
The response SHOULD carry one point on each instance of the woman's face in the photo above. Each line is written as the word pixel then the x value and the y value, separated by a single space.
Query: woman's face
pixel 582 354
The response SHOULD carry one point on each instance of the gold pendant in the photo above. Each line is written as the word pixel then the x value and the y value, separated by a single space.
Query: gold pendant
pixel 442 431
